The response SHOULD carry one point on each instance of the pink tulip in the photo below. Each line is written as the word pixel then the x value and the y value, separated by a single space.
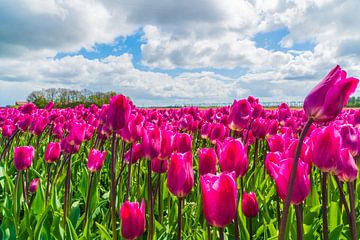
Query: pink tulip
pixel 151 142
pixel 280 172
pixel 118 112
pixel 132 218
pixel 77 133
pixel 233 157
pixel 207 161
pixel 181 174
pixel 249 204
pixel 346 168
pixel 137 153
pixel 23 157
pixel 95 160
pixel 158 165
pixel 240 114
pixel 219 198
pixel 326 150
pixel 329 97
pixel 52 152
pixel 182 142
pixel 350 138
pixel 34 185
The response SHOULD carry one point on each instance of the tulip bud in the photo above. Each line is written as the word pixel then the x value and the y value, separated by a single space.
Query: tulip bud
pixel 346 168
pixel 52 152
pixel 95 160
pixel 329 97
pixel 151 142
pixel 182 142
pixel 23 157
pixel 326 148
pixel 350 138
pixel 77 133
pixel 33 185
pixel 132 218
pixel 249 204
pixel 233 157
pixel 219 198
pixel 207 161
pixel 181 174
pixel 118 112
pixel 158 165
pixel 240 114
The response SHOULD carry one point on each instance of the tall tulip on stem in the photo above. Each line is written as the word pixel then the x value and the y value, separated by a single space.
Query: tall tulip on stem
pixel 250 208
pixel 180 180
pixel 117 117
pixel 322 104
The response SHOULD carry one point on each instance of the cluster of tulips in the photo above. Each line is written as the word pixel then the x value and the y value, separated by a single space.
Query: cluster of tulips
pixel 212 161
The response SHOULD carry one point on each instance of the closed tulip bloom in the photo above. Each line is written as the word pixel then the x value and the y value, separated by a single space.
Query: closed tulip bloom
pixel 283 112
pixel 8 130
pixel 218 132
pixel 181 174
pixel 77 133
pixel 259 128
pixel 28 108
pixel 219 198
pixel 95 160
pixel 52 152
pixel 329 97
pixel 118 112
pixel 182 142
pixel 233 157
pixel 132 218
pixel 207 161
pixel 249 204
pixel 166 145
pixel 34 185
pixel 326 148
pixel 23 157
pixel 205 130
pixel 38 125
pixel 158 165
pixel 240 114
pixel 281 175
pixel 272 163
pixel 152 142
pixel 346 168
pixel 350 138
pixel 276 143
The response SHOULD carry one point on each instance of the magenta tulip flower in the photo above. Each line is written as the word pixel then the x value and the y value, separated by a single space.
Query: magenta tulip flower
pixel 77 133
pixel 346 168
pixel 52 152
pixel 249 204
pixel 95 160
pixel 233 157
pixel 118 112
pixel 181 174
pixel 207 161
pixel 240 114
pixel 217 133
pixel 158 165
pixel 34 185
pixel 182 142
pixel 329 97
pixel 219 198
pixel 152 142
pixel 280 172
pixel 137 153
pixel 326 148
pixel 23 157
pixel 350 138
pixel 132 218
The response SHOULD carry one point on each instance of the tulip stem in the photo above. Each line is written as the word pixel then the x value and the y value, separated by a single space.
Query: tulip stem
pixel 129 174
pixel 24 188
pixel 299 227
pixel 113 185
pixel 179 218
pixel 278 213
pixel 352 209
pixel 343 199
pixel 208 231
pixel 221 233
pixel 256 153
pixel 16 216
pixel 151 215
pixel 290 187
pixel 250 228
pixel 48 183
pixel 67 190
pixel 87 206
pixel 324 206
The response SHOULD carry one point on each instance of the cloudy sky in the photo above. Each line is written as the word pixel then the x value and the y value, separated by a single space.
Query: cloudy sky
pixel 162 52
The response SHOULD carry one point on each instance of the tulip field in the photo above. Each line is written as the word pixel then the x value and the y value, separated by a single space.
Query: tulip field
pixel 234 172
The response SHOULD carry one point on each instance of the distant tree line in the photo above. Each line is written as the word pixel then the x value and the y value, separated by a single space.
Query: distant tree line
pixel 63 97
pixel 354 102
